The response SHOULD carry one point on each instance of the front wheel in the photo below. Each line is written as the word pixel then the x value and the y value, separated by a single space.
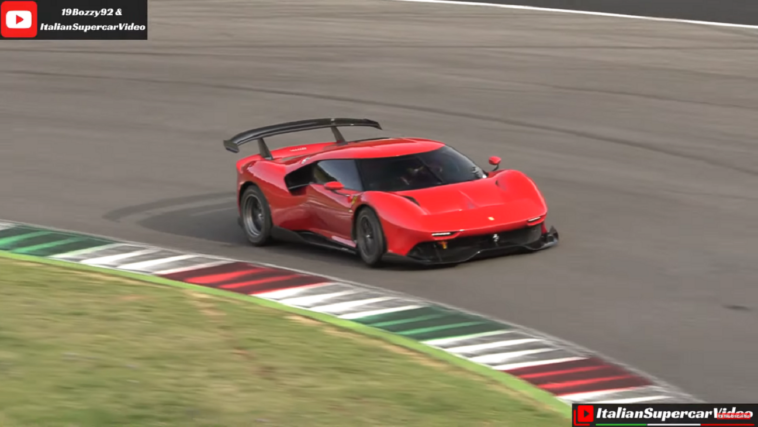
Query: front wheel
pixel 371 241
pixel 256 216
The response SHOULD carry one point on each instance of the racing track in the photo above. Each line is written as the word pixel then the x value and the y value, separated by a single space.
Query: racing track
pixel 641 134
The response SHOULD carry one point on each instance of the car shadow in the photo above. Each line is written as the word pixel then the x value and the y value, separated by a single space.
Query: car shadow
pixel 213 217
pixel 209 217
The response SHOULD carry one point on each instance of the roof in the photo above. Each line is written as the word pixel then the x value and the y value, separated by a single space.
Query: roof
pixel 375 148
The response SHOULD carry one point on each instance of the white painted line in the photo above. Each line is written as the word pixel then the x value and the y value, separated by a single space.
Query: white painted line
pixel 583 12
pixel 311 299
pixel 192 267
pixel 577 397
pixel 318 288
pixel 633 400
pixel 443 341
pixel 80 252
pixel 361 314
pixel 286 293
pixel 146 265
pixel 108 260
pixel 629 395
pixel 511 366
pixel 6 225
pixel 101 252
pixel 502 357
pixel 342 306
pixel 496 344
pixel 354 293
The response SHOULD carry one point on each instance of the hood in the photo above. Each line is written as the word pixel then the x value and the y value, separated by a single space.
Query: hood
pixel 510 196
pixel 457 197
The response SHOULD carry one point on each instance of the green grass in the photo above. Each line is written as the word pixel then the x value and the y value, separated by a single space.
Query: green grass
pixel 80 348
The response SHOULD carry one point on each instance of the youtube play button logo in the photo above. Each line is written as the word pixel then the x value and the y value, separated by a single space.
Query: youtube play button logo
pixel 583 415
pixel 19 19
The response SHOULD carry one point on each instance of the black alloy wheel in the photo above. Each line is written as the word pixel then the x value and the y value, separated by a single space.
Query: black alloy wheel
pixel 371 242
pixel 256 216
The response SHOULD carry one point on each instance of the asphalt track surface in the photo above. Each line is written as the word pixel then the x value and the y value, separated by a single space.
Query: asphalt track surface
pixel 641 135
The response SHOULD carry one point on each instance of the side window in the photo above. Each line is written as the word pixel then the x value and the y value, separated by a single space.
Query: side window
pixel 344 171
pixel 299 178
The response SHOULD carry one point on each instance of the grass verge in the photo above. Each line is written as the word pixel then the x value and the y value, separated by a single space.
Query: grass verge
pixel 89 349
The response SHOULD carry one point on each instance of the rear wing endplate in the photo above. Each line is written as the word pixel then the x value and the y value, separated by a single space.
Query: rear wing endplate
pixel 234 143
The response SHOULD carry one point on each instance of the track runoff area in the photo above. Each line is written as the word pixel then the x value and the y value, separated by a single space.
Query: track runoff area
pixel 600 393
pixel 567 373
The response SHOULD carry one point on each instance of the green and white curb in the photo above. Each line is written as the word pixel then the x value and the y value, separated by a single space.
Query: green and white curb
pixel 522 356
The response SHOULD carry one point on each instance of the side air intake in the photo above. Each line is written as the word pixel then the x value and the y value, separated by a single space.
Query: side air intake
pixel 412 200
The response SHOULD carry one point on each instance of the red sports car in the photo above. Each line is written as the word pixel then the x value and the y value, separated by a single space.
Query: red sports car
pixel 383 198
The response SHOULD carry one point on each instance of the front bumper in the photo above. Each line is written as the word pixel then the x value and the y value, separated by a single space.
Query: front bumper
pixel 529 239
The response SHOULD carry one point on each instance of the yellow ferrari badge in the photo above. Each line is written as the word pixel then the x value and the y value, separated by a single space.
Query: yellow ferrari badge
pixel 492 219
pixel 444 245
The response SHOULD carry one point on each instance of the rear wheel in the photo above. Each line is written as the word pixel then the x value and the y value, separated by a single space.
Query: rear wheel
pixel 371 241
pixel 255 216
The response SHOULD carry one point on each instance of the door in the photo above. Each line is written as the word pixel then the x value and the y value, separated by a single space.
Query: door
pixel 332 210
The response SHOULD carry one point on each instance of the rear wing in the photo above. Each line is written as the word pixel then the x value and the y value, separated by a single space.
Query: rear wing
pixel 290 127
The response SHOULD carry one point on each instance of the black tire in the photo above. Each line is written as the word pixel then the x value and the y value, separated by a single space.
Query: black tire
pixel 255 216
pixel 369 234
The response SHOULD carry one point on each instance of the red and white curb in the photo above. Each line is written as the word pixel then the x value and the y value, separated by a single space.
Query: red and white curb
pixel 570 373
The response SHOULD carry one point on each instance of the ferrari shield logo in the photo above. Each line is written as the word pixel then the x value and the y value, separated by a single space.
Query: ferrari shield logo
pixel 491 218
pixel 495 238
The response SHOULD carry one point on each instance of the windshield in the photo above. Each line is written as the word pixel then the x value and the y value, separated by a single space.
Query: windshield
pixel 431 169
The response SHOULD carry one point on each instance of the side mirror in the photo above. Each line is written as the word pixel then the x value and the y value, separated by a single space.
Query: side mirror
pixel 495 161
pixel 334 186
